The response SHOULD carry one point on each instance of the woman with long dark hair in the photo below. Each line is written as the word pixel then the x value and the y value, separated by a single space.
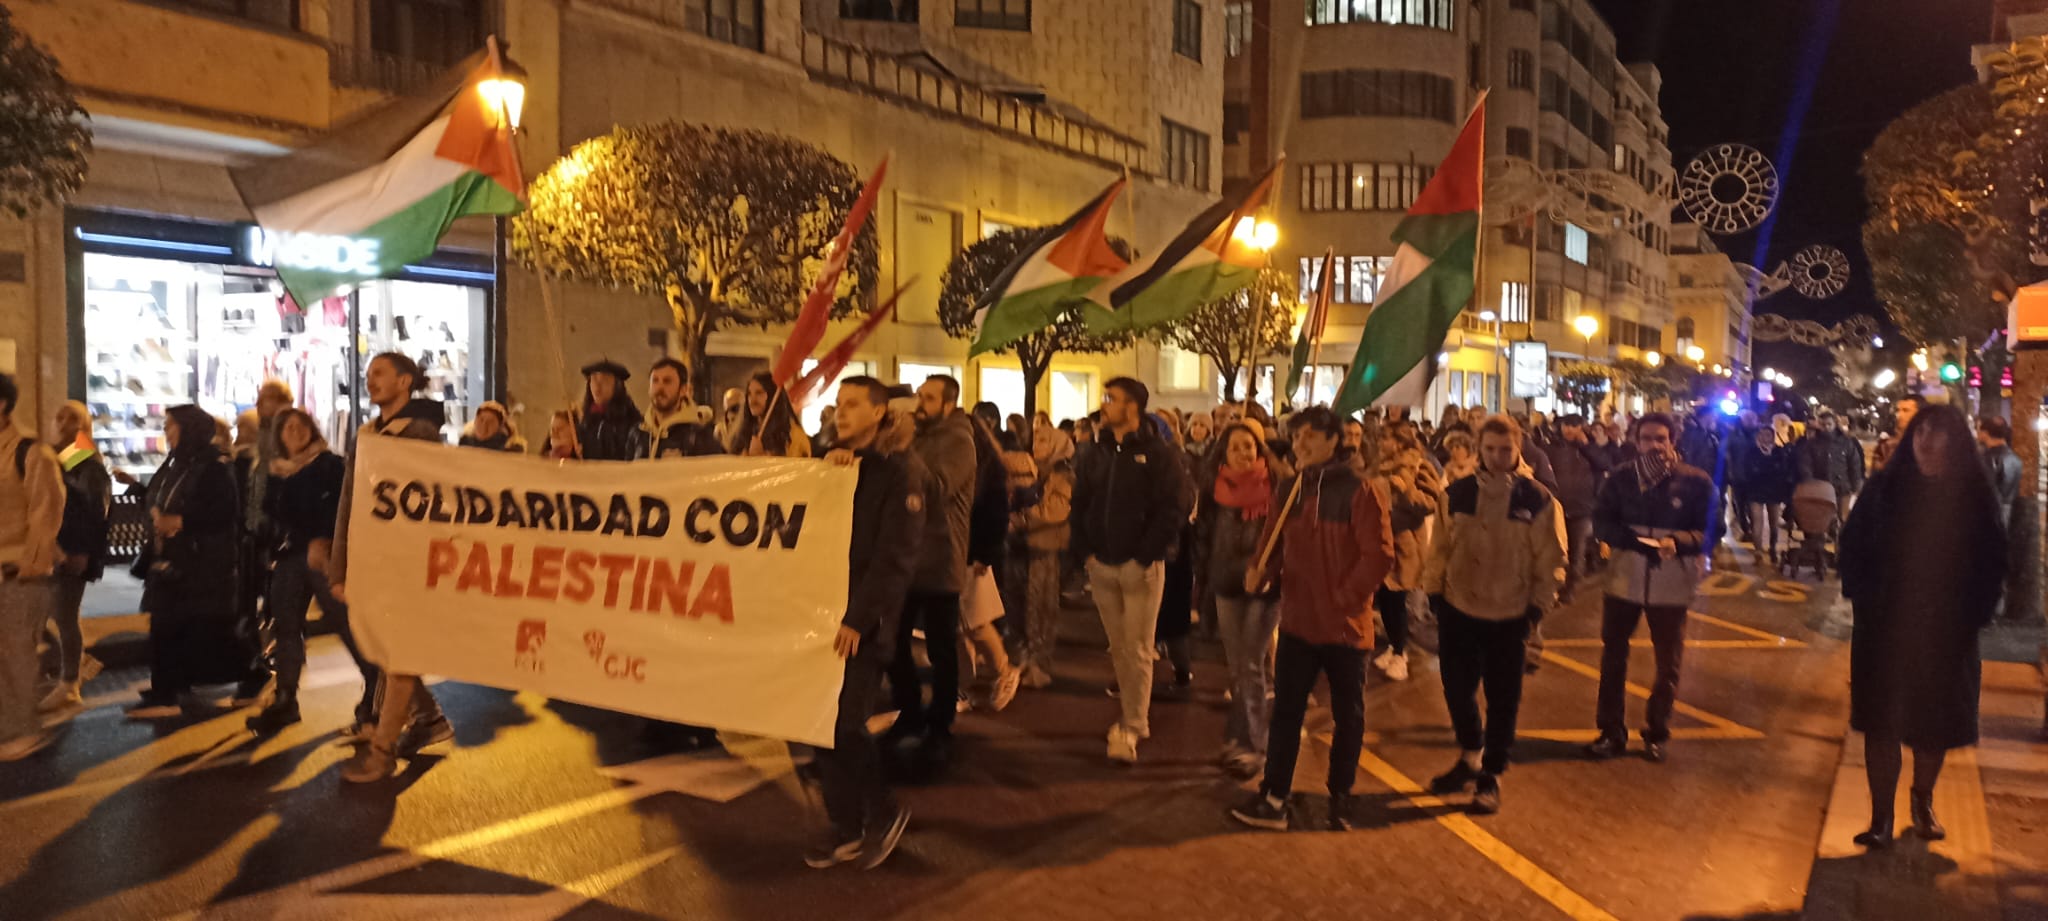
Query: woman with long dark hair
pixel 1234 511
pixel 189 573
pixel 769 426
pixel 303 497
pixel 1923 560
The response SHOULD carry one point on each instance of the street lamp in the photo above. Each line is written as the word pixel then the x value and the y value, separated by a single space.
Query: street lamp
pixel 1500 377
pixel 504 95
pixel 1695 354
pixel 1884 378
pixel 1257 234
pixel 1587 324
pixel 1653 359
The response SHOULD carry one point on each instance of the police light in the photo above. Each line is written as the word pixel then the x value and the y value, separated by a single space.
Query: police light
pixel 1731 407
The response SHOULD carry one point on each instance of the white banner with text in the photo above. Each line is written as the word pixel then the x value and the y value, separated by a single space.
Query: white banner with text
pixel 703 591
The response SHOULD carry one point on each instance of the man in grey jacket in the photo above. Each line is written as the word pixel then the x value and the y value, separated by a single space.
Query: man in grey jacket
pixel 945 444
pixel 408 718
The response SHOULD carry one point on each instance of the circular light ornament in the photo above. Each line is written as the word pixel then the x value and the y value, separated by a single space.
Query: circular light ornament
pixel 1728 188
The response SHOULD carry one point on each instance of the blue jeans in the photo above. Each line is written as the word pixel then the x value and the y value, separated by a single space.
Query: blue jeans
pixel 1247 625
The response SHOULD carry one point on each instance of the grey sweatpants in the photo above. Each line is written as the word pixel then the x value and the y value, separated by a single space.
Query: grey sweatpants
pixel 24 607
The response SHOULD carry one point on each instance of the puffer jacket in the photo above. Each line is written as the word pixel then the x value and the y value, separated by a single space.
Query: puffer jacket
pixel 686 433
pixel 1499 551
pixel 1409 507
pixel 420 420
pixel 889 508
pixel 1678 508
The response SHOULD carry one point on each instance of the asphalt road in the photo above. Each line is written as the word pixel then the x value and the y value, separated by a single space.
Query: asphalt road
pixel 547 810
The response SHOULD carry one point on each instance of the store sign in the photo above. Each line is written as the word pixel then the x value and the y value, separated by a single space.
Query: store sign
pixel 317 252
pixel 2028 318
pixel 1529 375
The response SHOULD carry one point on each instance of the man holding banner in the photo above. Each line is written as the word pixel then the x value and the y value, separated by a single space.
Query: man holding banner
pixel 865 822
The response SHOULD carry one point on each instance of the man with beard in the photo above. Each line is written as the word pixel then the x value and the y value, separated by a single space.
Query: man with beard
pixel 675 426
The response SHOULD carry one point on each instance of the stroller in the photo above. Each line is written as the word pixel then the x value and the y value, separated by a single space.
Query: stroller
pixel 1814 505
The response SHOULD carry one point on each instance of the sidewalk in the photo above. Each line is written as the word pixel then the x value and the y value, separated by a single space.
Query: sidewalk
pixel 1993 799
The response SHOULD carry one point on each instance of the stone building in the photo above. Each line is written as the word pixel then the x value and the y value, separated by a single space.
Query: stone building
pixel 150 289
pixel 1710 304
pixel 1365 98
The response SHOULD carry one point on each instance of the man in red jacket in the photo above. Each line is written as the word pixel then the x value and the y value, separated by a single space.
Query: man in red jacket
pixel 1337 546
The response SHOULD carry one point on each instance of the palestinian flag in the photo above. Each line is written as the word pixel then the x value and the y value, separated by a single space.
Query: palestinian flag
pixel 80 451
pixel 379 191
pixel 1060 267
pixel 1308 342
pixel 1213 257
pixel 1430 281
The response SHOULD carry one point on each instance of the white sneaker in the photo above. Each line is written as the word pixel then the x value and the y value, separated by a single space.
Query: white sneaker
pixel 1397 668
pixel 1006 688
pixel 65 694
pixel 24 746
pixel 1381 661
pixel 1123 745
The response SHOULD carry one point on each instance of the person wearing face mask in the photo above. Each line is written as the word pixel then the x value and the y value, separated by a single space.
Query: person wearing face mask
pixel 1495 565
pixel 1653 512
pixel 1336 547
pixel 1923 563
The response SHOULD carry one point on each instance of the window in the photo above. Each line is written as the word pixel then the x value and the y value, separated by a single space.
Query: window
pixel 736 22
pixel 1237 28
pixel 1521 69
pixel 1378 93
pixel 1575 243
pixel 914 373
pixel 879 10
pixel 814 412
pixel 1574 304
pixel 429 31
pixel 1475 68
pixel 1186 155
pixel 1581 114
pixel 1178 369
pixel 1514 302
pixel 1357 278
pixel 1362 186
pixel 1552 93
pixel 1014 15
pixel 1187 29
pixel 1546 303
pixel 1434 14
pixel 1521 143
pixel 1237 119
pixel 1003 387
pixel 1685 329
pixel 1650 339
pixel 1553 20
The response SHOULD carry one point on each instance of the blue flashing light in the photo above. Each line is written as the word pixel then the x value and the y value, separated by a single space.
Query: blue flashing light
pixel 1731 407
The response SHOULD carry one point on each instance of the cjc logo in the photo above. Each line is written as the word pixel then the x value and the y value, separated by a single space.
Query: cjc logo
pixel 617 666
pixel 527 643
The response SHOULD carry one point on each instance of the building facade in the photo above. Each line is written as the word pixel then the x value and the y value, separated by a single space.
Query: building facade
pixel 1362 141
pixel 151 289
pixel 1710 305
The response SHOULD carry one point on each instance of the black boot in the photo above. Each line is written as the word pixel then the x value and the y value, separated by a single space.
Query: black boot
pixel 282 712
pixel 1879 837
pixel 1924 825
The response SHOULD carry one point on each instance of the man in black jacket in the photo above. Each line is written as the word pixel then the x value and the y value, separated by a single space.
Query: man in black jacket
pixel 1129 506
pixel 610 423
pixel 944 442
pixel 1831 454
pixel 888 525
pixel 1577 471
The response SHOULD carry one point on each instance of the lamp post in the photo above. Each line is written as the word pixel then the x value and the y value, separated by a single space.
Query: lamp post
pixel 1260 235
pixel 1500 377
pixel 504 98
pixel 1587 324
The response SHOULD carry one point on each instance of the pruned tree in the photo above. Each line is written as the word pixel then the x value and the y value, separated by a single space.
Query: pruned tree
pixel 1253 322
pixel 968 277
pixel 729 226
pixel 45 139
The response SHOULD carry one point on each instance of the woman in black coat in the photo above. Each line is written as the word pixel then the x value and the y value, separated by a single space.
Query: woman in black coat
pixel 189 578
pixel 1923 561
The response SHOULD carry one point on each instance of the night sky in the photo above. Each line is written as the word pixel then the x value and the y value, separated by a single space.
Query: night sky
pixel 1733 72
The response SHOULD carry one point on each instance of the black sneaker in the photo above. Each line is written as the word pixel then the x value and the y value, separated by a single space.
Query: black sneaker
pixel 1606 747
pixel 274 718
pixel 882 839
pixel 832 851
pixel 250 691
pixel 1456 780
pixel 1486 794
pixel 1260 812
pixel 423 733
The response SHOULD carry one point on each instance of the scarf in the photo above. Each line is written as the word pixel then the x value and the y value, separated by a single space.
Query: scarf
pixel 1249 491
pixel 285 467
pixel 1651 469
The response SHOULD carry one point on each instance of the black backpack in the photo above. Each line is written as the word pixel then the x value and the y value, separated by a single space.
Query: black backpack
pixel 84 526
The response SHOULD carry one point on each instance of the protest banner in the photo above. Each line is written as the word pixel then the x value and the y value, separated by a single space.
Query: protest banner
pixel 705 591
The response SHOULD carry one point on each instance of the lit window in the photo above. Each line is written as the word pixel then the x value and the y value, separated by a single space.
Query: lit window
pixel 1575 243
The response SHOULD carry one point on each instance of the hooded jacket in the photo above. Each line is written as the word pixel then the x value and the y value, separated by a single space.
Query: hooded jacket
pixel 889 507
pixel 31 505
pixel 507 438
pixel 1676 507
pixel 1336 549
pixel 946 446
pixel 418 419
pixel 1498 552
pixel 684 433
pixel 1131 499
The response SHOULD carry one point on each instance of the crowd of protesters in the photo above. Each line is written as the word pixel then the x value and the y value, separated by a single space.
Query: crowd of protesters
pixel 1314 548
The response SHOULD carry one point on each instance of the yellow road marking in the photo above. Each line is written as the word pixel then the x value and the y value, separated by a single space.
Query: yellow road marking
pixel 1691 733
pixel 1645 643
pixel 1734 729
pixel 1526 872
pixel 1739 628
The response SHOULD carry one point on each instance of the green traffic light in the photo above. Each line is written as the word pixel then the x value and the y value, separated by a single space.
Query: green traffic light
pixel 1951 373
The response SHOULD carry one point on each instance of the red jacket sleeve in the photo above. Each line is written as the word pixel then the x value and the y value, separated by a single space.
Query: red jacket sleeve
pixel 1373 530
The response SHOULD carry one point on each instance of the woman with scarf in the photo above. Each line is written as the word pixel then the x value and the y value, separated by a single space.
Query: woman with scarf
pixel 1412 485
pixel 1923 562
pixel 1234 512
pixel 304 495
pixel 189 570
pixel 770 427
pixel 1044 527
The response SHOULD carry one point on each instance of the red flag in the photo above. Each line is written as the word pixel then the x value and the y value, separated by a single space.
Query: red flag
pixel 810 324
pixel 835 361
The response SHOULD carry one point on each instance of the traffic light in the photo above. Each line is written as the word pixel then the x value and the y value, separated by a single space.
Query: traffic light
pixel 1951 372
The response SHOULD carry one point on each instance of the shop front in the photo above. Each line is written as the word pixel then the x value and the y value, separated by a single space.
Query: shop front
pixel 170 311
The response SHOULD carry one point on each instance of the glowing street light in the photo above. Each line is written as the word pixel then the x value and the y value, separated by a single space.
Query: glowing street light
pixel 1587 325
pixel 503 95
pixel 1695 354
pixel 1770 374
pixel 1884 378
pixel 1653 359
pixel 1920 361
pixel 1257 234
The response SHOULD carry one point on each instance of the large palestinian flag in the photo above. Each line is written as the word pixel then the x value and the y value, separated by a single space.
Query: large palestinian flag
pixel 1430 281
pixel 1214 256
pixel 1060 267
pixel 379 191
